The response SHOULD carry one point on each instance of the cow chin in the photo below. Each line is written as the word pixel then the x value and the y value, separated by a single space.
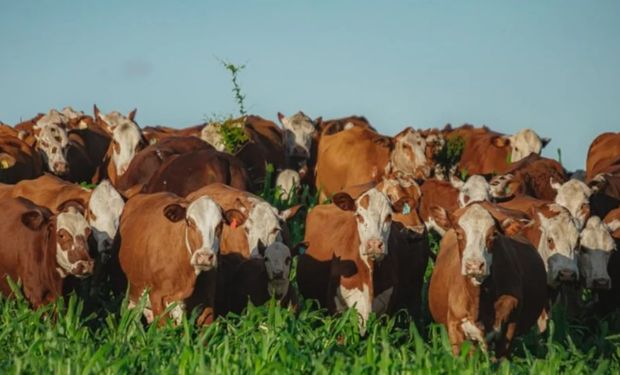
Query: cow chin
pixel 82 269
pixel 277 287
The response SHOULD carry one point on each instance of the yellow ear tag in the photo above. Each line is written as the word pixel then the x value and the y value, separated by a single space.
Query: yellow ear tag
pixel 4 164
pixel 83 125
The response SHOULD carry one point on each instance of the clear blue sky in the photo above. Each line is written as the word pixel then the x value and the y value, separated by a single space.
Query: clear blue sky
pixel 550 65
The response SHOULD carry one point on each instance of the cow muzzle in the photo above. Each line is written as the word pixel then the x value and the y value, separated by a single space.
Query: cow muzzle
pixel 566 276
pixel 375 250
pixel 83 268
pixel 601 284
pixel 204 260
pixel 475 269
pixel 277 287
pixel 60 168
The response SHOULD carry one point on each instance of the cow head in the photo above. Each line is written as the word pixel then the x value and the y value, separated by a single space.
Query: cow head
pixel 404 194
pixel 263 225
pixel 525 142
pixel 72 232
pixel 203 227
pixel 475 228
pixel 278 260
pixel 299 131
pixel 373 214
pixel 127 138
pixel 556 238
pixel 52 141
pixel 288 182
pixel 596 247
pixel 409 154
pixel 502 186
pixel 574 195
pixel 210 133
pixel 104 210
pixel 475 189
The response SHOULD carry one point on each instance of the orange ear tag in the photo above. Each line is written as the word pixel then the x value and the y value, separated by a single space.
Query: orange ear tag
pixel 234 224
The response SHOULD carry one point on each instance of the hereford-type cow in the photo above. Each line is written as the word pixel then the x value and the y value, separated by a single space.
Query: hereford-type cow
pixel 488 152
pixel 169 248
pixel 357 155
pixel 41 249
pixel 574 195
pixel 484 282
pixel 345 239
pixel 531 176
pixel 597 246
pixel 155 134
pixel 47 134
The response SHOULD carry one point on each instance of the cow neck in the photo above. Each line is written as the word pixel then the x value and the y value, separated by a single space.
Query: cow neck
pixel 53 274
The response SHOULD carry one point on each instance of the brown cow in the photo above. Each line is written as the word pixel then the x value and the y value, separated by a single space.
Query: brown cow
pixel 148 161
pixel 344 240
pixel 188 172
pixel 357 155
pixel 41 249
pixel 487 152
pixel 609 300
pixel 602 154
pixel 484 282
pixel 18 161
pixel 155 134
pixel 529 176
pixel 168 250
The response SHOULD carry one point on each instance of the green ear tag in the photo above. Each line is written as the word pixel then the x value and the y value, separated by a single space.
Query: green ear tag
pixel 406 209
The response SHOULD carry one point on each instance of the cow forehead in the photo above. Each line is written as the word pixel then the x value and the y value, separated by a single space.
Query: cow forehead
pixel 373 203
pixel 72 221
pixel 263 213
pixel 571 191
pixel 528 139
pixel 596 236
pixel 127 131
pixel 476 187
pixel 107 205
pixel 205 212
pixel 559 224
pixel 475 219
pixel 114 119
pixel 277 251
pixel 412 137
pixel 300 120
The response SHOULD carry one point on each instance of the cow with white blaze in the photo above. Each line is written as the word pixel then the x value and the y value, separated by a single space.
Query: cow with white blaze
pixel 597 245
pixel 574 195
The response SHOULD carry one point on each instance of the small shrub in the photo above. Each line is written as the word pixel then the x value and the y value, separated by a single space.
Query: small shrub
pixel 450 154
pixel 233 134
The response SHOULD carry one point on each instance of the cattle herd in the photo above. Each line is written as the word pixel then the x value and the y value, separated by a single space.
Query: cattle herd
pixel 174 220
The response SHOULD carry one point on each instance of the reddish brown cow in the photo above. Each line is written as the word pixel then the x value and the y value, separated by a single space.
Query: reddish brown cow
pixel 487 152
pixel 357 155
pixel 602 154
pixel 609 300
pixel 155 134
pixel 484 282
pixel 147 162
pixel 41 249
pixel 188 172
pixel 18 161
pixel 169 250
pixel 530 176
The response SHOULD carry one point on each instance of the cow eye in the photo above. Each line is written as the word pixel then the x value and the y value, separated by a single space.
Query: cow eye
pixel 550 243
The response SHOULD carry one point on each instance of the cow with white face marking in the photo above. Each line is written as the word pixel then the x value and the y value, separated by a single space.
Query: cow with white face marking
pixel 299 133
pixel 525 142
pixel 345 239
pixel 127 140
pixel 52 141
pixel 104 211
pixel 597 245
pixel 574 195
pixel 42 249
pixel 288 182
pixel 169 246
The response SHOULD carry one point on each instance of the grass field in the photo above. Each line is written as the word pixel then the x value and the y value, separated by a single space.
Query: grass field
pixel 64 338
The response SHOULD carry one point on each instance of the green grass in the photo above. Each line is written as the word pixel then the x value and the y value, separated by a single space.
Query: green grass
pixel 67 337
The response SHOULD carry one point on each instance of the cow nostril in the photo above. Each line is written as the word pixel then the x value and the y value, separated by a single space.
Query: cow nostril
pixel 210 257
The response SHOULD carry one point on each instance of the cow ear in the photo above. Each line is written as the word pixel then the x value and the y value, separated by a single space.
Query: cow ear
pixel 457 182
pixel 77 204
pixel 6 161
pixel 511 227
pixel 33 219
pixel 174 212
pixel 234 218
pixel 545 141
pixel 299 248
pixel 318 123
pixel 404 132
pixel 344 201
pixel 500 141
pixel 96 111
pixel 442 217
pixel 132 114
pixel 289 213
pixel 281 118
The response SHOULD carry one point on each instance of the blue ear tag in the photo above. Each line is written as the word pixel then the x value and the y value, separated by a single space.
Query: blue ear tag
pixel 406 209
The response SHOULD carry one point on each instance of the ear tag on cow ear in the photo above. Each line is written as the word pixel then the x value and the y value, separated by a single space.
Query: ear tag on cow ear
pixel 233 224
pixel 4 164
pixel 406 209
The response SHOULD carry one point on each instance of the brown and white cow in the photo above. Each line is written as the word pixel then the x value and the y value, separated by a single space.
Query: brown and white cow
pixel 40 249
pixel 488 152
pixel 529 176
pixel 596 247
pixel 168 246
pixel 574 195
pixel 51 140
pixel 344 241
pixel 451 196
pixel 357 155
pixel 127 140
pixel 484 282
